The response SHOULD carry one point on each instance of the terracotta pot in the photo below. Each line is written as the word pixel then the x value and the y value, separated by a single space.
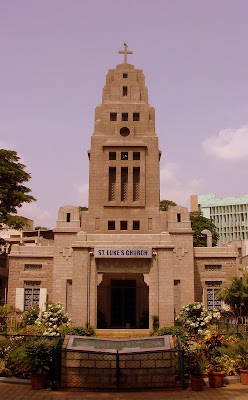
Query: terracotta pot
pixel 216 379
pixel 244 376
pixel 196 382
pixel 38 381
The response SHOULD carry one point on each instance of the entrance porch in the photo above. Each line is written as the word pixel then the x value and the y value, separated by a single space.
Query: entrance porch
pixel 122 301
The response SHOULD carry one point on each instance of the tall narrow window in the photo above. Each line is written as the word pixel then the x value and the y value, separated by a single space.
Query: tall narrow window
pixel 178 217
pixel 112 183
pixel 31 294
pixel 124 182
pixel 124 91
pixel 136 116
pixel 213 301
pixel 69 295
pixel 136 183
pixel 68 217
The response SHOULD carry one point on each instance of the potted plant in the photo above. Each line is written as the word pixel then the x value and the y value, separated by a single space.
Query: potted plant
pixel 194 364
pixel 242 366
pixel 242 360
pixel 216 371
pixel 39 352
pixel 216 367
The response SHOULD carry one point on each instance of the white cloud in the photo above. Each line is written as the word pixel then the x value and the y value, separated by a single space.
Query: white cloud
pixel 33 211
pixel 229 145
pixel 176 187
pixel 82 193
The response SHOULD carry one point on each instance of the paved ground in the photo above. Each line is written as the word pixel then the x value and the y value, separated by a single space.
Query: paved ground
pixel 24 392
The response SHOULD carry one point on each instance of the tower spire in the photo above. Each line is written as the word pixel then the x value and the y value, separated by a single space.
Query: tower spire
pixel 125 52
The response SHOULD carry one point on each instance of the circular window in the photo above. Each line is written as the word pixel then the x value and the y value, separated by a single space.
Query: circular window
pixel 124 131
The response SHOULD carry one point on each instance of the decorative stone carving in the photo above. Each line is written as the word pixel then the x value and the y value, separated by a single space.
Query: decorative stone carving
pixel 180 252
pixel 67 252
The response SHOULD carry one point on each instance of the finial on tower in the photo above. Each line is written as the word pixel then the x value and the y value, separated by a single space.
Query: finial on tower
pixel 125 52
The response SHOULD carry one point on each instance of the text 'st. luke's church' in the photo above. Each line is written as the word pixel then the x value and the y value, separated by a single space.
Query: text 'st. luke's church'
pixel 122 261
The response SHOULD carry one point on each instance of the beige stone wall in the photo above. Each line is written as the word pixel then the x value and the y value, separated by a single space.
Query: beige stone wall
pixel 18 275
pixel 63 264
pixel 226 257
pixel 79 287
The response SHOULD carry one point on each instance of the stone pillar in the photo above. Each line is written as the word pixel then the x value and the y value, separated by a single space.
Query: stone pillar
pixel 153 286
pixel 93 293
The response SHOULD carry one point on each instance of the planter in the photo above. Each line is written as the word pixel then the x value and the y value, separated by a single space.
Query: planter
pixel 216 379
pixel 196 382
pixel 38 381
pixel 244 376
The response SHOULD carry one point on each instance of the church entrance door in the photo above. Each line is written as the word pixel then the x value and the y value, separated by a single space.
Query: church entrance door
pixel 123 303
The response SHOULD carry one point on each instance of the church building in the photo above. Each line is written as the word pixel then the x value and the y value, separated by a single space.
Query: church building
pixel 123 260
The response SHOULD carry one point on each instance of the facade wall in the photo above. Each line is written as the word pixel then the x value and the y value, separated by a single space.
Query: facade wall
pixel 213 268
pixel 18 275
pixel 63 263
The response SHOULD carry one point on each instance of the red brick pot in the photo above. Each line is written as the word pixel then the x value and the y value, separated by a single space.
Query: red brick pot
pixel 38 381
pixel 216 379
pixel 244 376
pixel 196 382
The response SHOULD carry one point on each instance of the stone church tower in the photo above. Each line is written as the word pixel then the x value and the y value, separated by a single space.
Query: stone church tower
pixel 123 261
pixel 124 158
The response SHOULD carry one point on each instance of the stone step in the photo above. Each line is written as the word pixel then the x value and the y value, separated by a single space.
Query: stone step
pixel 122 333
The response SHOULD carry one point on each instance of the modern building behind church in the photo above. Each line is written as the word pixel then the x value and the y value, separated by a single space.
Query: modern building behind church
pixel 122 261
pixel 230 215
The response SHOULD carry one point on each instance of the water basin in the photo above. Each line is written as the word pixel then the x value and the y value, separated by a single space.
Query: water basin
pixel 80 343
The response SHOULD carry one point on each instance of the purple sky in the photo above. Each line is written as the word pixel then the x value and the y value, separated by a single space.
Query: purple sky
pixel 54 58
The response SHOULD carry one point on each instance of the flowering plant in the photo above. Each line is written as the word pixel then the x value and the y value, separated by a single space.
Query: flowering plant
pixel 52 319
pixel 194 363
pixel 39 352
pixel 195 317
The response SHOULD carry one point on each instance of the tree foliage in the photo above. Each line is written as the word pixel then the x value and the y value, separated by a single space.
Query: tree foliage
pixel 12 191
pixel 236 295
pixel 166 204
pixel 199 223
pixel 84 208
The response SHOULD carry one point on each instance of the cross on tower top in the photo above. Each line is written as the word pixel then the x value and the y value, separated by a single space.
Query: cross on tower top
pixel 125 52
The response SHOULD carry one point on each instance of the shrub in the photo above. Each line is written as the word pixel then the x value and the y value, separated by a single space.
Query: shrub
pixel 82 331
pixel 155 322
pixel 195 317
pixel 52 319
pixel 4 312
pixel 31 315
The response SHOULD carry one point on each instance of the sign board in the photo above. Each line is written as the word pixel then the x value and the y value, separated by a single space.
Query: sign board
pixel 122 252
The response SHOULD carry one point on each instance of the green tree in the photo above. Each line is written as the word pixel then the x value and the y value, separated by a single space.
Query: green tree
pixel 199 223
pixel 83 208
pixel 166 204
pixel 236 295
pixel 12 191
